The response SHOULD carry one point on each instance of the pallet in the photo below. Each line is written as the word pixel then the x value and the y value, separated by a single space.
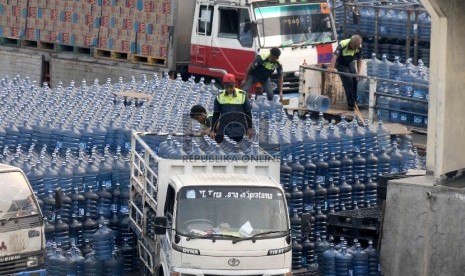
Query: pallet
pixel 148 60
pixel 10 41
pixel 367 218
pixel 110 54
pixel 362 235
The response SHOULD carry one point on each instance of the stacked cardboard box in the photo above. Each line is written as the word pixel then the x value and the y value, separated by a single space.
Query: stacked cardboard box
pixel 13 14
pixel 116 32
pixel 153 27
pixel 139 27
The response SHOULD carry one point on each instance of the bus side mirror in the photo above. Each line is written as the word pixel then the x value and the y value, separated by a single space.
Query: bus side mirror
pixel 254 29
pixel 161 224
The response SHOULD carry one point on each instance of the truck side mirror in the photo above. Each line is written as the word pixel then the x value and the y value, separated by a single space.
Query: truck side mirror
pixel 254 29
pixel 161 223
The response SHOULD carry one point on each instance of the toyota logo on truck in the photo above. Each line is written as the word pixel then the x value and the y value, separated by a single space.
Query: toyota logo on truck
pixel 234 262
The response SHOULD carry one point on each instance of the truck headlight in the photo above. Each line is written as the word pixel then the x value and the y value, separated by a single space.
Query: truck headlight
pixel 32 261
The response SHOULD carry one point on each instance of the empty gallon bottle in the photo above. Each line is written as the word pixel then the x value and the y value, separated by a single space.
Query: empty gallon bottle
pixel 321 222
pixel 408 158
pixel 91 203
pixel 373 260
pixel 371 136
pixel 298 172
pixel 309 141
pixel 347 166
pixel 105 201
pixel 103 243
pixel 334 141
pixel 75 230
pixel 114 265
pixel 79 172
pixel 308 198
pixel 329 261
pixel 358 191
pixel 285 174
pixel 66 208
pixel 296 202
pixel 92 266
pixel 297 146
pixel 56 264
pixel 61 232
pixel 396 160
pixel 90 226
pixel 104 176
pixel 322 143
pixel 345 192
pixel 384 162
pixel 334 169
pixel 87 248
pixel 384 138
pixel 371 167
pixel 90 178
pixel 49 231
pixel 347 140
pixel 51 176
pixel 49 205
pixel 296 254
pixel 322 168
pixel 359 137
pixel 333 194
pixel 359 261
pixel 78 204
pixel 74 263
pixel 129 255
pixel 296 225
pixel 308 250
pixel 64 176
pixel 310 172
pixel 343 263
pixel 321 246
pixel 320 196
pixel 371 191
pixel 359 166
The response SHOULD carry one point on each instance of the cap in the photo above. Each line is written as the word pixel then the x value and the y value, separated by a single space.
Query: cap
pixel 229 78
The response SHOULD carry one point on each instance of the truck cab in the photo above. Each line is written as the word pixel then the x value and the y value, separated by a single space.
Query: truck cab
pixel 222 224
pixel 227 35
pixel 22 236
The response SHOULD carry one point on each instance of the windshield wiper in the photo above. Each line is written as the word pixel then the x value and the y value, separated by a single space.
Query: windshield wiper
pixel 211 236
pixel 253 237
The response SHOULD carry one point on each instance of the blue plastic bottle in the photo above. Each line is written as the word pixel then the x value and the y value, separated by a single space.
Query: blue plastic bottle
pixel 359 167
pixel 296 255
pixel 359 137
pixel 298 172
pixel 384 162
pixel 371 191
pixel 396 160
pixel 358 192
pixel 334 141
pixel 296 202
pixel 103 243
pixel 322 143
pixel 322 168
pixel 343 263
pixel 345 192
pixel 334 169
pixel 308 198
pixel 329 261
pixel 347 140
pixel 333 194
pixel 373 260
pixel 320 196
pixel 310 172
pixel 371 167
pixel 285 175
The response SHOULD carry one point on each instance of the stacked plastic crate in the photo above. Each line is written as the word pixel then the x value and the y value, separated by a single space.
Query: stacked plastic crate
pixel 13 14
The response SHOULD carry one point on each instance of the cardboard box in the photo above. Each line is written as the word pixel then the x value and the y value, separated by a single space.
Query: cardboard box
pixel 49 25
pixel 125 12
pixel 104 42
pixel 66 38
pixel 114 33
pixel 111 11
pixel 32 34
pixel 19 12
pixel 51 4
pixel 42 4
pixel 40 23
pixel 104 31
pixel 93 21
pixel 128 24
pixel 131 3
pixel 86 40
pixel 96 10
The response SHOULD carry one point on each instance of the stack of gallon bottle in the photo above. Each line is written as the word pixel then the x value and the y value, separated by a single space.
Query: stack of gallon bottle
pixel 330 167
pixel 393 19
pixel 404 99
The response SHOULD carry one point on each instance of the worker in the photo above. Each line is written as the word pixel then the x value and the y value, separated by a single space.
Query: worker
pixel 347 52
pixel 233 111
pixel 261 69
pixel 199 113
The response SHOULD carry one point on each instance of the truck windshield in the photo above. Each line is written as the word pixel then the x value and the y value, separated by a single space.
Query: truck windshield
pixel 231 211
pixel 288 25
pixel 16 199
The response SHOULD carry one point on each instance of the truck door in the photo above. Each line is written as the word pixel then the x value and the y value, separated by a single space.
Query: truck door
pixel 201 39
pixel 233 46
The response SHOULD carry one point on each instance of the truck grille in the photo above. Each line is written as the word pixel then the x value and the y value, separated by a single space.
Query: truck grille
pixel 12 267
pixel 21 223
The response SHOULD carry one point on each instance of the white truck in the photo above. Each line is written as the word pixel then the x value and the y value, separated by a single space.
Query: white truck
pixel 22 233
pixel 207 216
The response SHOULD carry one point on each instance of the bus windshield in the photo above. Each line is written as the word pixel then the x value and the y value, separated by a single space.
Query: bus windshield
pixel 16 198
pixel 288 25
pixel 231 211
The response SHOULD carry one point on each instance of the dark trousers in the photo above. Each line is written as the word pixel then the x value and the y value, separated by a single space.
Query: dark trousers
pixel 349 83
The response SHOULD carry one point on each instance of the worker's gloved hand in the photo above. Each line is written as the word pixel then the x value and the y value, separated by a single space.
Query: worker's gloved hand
pixel 250 133
pixel 211 134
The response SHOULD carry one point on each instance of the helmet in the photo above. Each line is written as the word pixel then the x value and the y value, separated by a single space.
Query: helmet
pixel 229 78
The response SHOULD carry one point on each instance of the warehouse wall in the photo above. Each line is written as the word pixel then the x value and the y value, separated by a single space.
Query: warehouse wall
pixel 66 69
pixel 14 61
pixel 424 228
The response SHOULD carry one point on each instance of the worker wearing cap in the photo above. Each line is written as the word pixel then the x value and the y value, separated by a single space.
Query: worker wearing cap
pixel 343 60
pixel 233 111
pixel 260 71
pixel 199 113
